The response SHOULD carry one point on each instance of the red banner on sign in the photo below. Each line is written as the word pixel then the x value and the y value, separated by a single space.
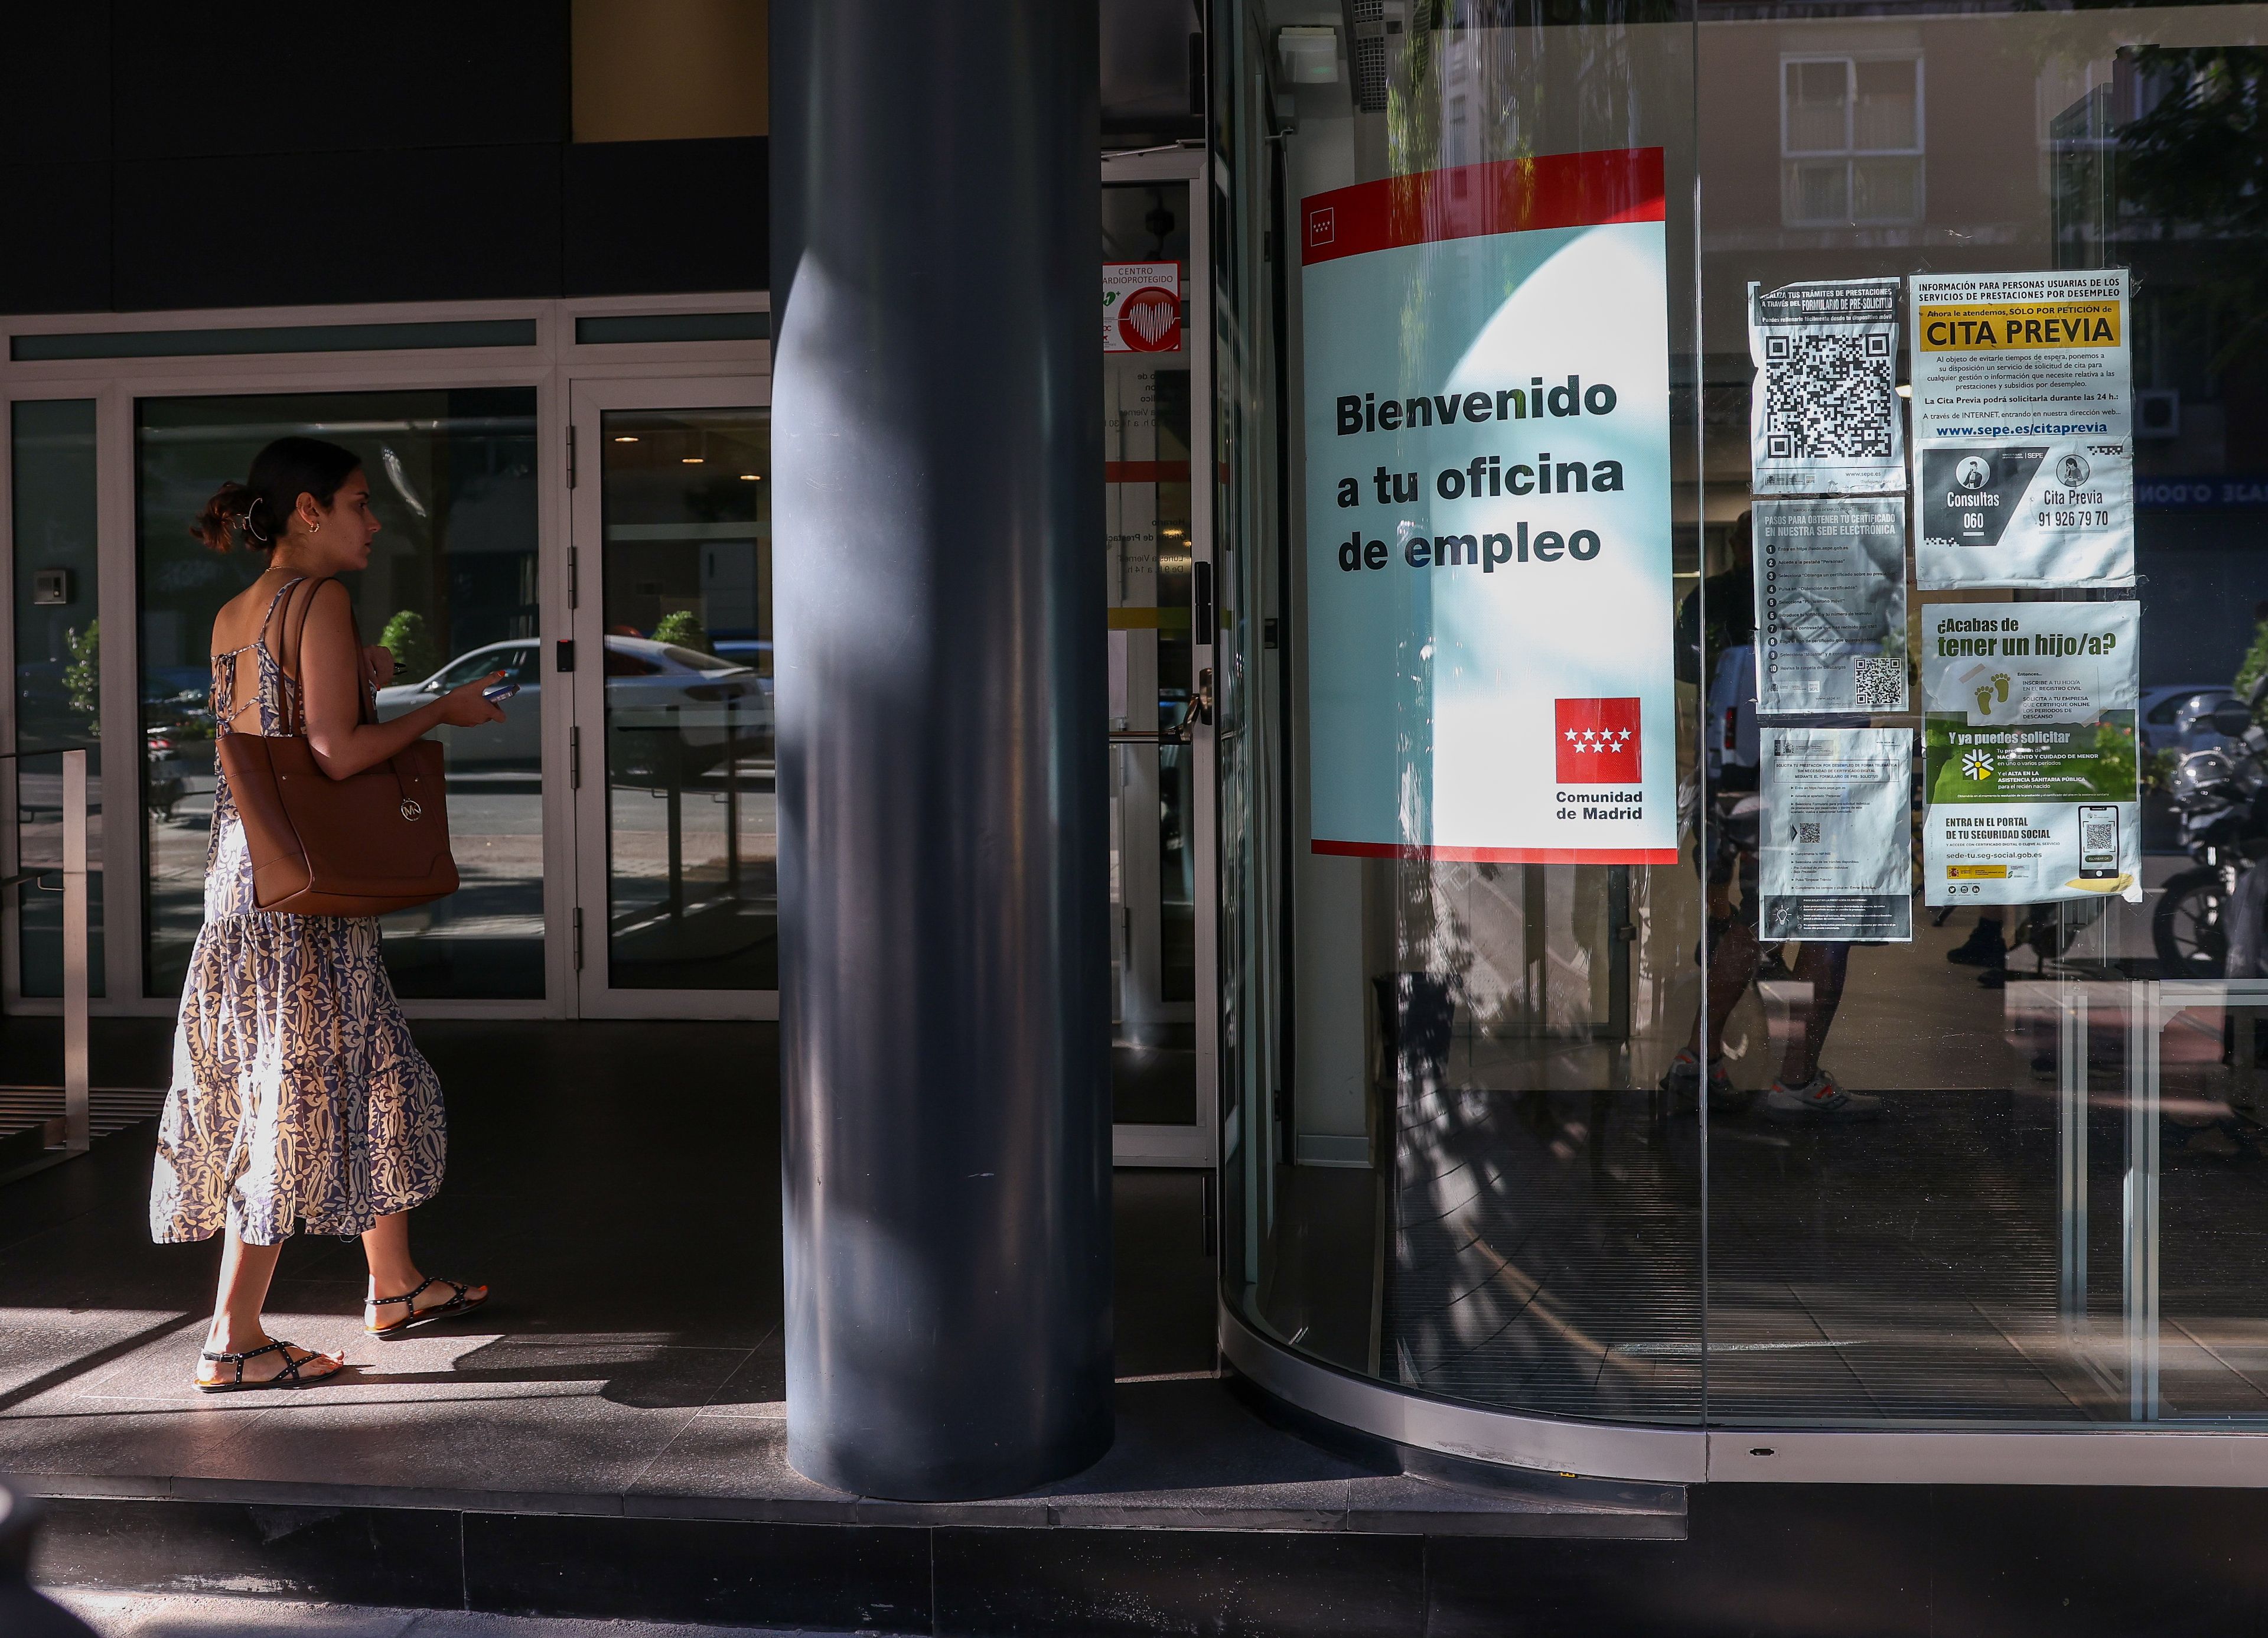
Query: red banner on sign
pixel 1502 196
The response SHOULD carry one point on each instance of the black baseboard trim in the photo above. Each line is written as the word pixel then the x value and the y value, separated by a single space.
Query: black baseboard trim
pixel 1767 1561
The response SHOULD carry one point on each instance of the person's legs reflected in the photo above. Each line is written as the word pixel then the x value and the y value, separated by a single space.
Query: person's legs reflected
pixel 1987 944
pixel 1732 969
pixel 1803 1090
pixel 1734 955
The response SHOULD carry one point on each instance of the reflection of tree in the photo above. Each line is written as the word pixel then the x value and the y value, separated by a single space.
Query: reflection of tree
pixel 683 627
pixel 2195 166
pixel 411 641
pixel 83 677
pixel 2114 759
pixel 2198 155
pixel 2256 660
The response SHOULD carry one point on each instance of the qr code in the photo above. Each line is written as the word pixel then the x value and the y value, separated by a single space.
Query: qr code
pixel 1881 682
pixel 1807 833
pixel 1828 396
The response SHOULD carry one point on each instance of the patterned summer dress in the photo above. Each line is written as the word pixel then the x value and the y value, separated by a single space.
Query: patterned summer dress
pixel 299 1098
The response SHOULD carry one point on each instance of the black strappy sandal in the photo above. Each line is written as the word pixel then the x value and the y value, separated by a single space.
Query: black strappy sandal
pixel 454 1308
pixel 288 1377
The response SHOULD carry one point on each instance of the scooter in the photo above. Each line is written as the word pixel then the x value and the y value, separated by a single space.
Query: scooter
pixel 2221 798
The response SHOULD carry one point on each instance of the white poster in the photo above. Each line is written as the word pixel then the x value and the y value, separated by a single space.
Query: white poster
pixel 1837 838
pixel 2022 429
pixel 1824 416
pixel 1488 573
pixel 2029 771
pixel 1830 606
pixel 1141 307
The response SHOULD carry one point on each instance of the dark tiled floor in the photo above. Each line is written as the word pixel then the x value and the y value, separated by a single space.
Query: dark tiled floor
pixel 618 1184
pixel 1546 1256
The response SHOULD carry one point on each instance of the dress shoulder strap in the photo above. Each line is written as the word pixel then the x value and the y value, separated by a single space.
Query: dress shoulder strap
pixel 276 603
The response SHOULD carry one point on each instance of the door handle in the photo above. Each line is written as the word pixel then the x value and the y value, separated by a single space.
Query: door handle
pixel 1200 710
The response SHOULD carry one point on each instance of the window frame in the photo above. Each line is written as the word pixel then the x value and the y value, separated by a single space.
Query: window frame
pixel 550 365
pixel 1850 153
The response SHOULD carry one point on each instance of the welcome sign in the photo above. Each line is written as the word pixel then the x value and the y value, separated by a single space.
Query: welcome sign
pixel 1488 564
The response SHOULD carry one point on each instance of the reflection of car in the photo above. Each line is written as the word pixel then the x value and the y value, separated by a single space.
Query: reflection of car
pixel 164 684
pixel 2193 725
pixel 648 685
pixel 515 739
pixel 41 696
pixel 670 708
pixel 162 769
pixel 743 651
pixel 2162 707
pixel 177 705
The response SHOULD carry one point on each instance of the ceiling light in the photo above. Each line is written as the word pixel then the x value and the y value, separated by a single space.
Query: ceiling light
pixel 751 477
pixel 624 438
pixel 689 461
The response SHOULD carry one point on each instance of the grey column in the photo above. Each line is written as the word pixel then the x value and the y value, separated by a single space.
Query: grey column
pixel 937 561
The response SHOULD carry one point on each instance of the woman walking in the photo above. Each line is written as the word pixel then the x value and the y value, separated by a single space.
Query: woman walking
pixel 298 1099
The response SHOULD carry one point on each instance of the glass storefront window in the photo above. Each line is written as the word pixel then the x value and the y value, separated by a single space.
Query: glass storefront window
pixel 1983 1140
pixel 1146 434
pixel 452 583
pixel 58 670
pixel 692 818
pixel 1439 1138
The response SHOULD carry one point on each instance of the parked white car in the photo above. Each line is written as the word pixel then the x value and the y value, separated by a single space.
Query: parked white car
pixel 649 684
pixel 516 740
pixel 2162 709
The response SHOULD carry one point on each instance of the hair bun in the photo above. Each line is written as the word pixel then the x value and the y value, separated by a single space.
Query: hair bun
pixel 228 512
pixel 259 511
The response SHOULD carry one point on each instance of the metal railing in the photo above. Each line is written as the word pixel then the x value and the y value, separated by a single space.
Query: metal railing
pixel 77 1129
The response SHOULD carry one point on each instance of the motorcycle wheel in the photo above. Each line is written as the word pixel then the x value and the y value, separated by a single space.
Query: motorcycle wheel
pixel 2189 927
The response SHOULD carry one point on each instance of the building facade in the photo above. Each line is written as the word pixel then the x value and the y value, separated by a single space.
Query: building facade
pixel 1479 387
pixel 1470 1205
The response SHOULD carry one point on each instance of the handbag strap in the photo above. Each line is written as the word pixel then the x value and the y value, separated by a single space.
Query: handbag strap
pixel 293 636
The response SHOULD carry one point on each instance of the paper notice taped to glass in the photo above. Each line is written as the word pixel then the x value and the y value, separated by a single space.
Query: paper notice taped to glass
pixel 1824 416
pixel 2022 429
pixel 2029 775
pixel 1830 606
pixel 1837 838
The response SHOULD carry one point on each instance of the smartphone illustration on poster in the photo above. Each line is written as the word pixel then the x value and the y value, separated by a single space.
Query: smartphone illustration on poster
pixel 2098 841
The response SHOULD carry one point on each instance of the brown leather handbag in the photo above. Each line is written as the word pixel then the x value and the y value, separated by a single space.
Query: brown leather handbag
pixel 375 841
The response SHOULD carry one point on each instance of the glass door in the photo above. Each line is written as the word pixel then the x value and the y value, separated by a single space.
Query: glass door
pixel 451 589
pixel 671 754
pixel 1161 624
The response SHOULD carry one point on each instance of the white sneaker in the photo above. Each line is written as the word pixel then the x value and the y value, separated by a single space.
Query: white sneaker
pixel 1821 1099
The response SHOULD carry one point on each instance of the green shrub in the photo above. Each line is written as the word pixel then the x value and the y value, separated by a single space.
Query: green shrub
pixel 683 627
pixel 408 639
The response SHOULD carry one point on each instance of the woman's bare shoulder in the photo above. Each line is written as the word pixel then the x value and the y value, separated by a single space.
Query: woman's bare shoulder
pixel 237 623
pixel 243 616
